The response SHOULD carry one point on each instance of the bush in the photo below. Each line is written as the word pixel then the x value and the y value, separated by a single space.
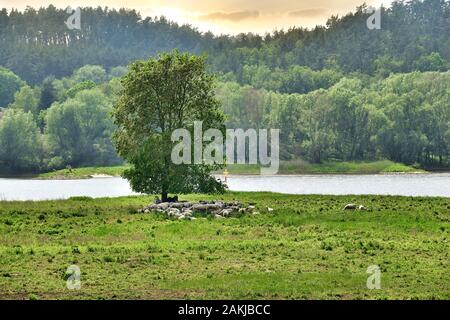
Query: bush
pixel 20 142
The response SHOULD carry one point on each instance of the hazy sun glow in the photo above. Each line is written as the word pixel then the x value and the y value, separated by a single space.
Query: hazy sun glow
pixel 224 16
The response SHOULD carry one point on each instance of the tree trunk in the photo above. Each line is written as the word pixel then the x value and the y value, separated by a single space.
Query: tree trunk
pixel 164 191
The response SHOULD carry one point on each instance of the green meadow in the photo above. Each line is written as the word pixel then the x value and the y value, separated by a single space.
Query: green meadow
pixel 308 247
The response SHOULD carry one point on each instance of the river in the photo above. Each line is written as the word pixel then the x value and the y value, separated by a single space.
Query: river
pixel 387 184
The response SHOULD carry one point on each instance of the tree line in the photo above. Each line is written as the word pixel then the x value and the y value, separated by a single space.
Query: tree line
pixel 404 118
pixel 338 92
pixel 64 122
pixel 36 44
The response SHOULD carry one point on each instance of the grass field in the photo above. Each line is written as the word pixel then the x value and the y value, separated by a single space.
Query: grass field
pixel 306 248
pixel 286 167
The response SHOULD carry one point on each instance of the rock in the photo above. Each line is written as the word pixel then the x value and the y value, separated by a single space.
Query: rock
pixel 178 205
pixel 171 212
pixel 269 209
pixel 217 216
pixel 225 212
pixel 200 207
pixel 152 207
pixel 163 206
pixel 187 204
pixel 362 208
pixel 185 210
pixel 220 204
pixel 181 217
pixel 215 206
pixel 350 206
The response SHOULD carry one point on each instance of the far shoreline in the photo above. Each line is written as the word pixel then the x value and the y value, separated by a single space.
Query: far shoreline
pixel 287 168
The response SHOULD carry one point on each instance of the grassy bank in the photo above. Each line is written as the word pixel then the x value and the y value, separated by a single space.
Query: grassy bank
pixel 286 167
pixel 308 247
pixel 303 167
pixel 374 167
pixel 83 173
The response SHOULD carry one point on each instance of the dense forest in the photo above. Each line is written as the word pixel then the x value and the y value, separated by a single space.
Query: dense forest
pixel 414 35
pixel 337 92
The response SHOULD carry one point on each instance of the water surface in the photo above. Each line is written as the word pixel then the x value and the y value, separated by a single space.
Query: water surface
pixel 385 184
pixel 392 184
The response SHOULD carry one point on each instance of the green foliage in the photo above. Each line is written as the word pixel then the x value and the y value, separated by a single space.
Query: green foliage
pixel 339 93
pixel 96 74
pixel 78 126
pixel 20 143
pixel 85 85
pixel 27 100
pixel 118 72
pixel 432 62
pixel 295 79
pixel 414 36
pixel 48 93
pixel 79 129
pixel 10 83
pixel 161 95
pixel 404 118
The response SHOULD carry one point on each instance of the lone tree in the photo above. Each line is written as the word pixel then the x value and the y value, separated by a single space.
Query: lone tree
pixel 160 95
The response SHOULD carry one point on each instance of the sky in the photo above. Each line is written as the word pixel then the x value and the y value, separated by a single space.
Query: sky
pixel 223 16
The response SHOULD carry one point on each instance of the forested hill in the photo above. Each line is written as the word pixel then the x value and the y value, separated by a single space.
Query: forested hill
pixel 36 43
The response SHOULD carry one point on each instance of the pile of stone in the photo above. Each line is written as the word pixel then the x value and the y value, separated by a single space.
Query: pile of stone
pixel 185 210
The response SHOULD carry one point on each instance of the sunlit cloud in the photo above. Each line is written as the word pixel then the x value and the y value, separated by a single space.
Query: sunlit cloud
pixel 233 16
pixel 314 12
pixel 223 16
